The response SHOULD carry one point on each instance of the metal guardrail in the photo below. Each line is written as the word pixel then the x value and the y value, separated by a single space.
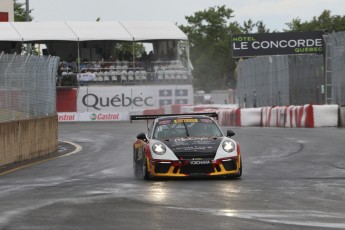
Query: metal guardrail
pixel 27 86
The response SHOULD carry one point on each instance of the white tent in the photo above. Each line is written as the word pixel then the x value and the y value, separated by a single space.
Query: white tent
pixel 144 31
pixel 8 33
pixel 44 31
pixel 89 31
pixel 90 40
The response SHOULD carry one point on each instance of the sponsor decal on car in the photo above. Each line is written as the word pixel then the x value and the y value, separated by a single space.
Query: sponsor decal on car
pixel 186 120
pixel 199 162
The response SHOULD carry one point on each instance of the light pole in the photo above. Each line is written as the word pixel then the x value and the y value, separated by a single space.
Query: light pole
pixel 27 16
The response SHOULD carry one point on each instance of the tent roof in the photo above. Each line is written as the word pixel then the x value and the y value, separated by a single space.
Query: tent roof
pixel 8 33
pixel 142 31
pixel 44 31
pixel 89 31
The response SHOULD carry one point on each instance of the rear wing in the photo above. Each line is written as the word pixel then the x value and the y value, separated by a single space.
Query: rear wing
pixel 152 117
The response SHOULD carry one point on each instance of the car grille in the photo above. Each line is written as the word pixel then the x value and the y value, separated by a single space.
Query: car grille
pixel 195 155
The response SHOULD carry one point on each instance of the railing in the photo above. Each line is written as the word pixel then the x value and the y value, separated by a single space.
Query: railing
pixel 124 73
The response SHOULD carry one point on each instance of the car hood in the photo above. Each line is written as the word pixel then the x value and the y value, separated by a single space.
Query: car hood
pixel 193 144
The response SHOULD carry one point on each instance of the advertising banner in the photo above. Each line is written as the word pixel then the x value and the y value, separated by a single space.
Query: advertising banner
pixel 90 116
pixel 131 98
pixel 249 45
pixel 67 117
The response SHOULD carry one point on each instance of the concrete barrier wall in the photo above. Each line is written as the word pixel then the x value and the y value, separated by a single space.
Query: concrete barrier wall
pixel 27 139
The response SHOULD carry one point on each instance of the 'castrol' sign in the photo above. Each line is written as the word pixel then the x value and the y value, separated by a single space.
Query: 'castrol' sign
pixel 67 117
pixel 70 117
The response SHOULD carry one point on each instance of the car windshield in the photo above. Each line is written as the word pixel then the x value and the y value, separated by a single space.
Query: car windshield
pixel 186 127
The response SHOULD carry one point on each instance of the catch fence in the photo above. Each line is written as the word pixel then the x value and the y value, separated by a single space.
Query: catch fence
pixel 335 68
pixel 27 86
pixel 280 80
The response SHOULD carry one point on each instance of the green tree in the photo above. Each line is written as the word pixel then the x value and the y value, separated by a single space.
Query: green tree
pixel 19 12
pixel 124 50
pixel 326 21
pixel 261 27
pixel 209 34
pixel 248 26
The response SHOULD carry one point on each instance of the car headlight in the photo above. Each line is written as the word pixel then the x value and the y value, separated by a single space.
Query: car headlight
pixel 159 148
pixel 229 146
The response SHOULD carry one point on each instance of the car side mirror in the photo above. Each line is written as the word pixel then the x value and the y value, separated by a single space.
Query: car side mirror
pixel 230 133
pixel 141 136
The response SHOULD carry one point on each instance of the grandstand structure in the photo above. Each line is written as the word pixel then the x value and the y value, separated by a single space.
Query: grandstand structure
pixel 90 61
pixel 87 50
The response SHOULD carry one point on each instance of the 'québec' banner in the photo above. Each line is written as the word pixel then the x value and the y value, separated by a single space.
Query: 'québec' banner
pixel 132 98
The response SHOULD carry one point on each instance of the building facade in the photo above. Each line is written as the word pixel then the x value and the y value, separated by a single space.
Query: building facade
pixel 6 11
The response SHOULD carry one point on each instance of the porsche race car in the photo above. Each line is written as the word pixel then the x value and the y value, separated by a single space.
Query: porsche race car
pixel 183 145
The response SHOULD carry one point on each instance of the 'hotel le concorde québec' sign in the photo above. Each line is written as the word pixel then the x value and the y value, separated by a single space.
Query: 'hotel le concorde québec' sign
pixel 289 43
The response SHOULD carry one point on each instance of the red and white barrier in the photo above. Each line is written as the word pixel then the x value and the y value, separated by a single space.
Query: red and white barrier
pixel 325 115
pixel 229 117
pixel 250 117
pixel 308 116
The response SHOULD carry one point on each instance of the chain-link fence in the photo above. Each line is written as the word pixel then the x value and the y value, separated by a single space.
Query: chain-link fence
pixel 335 67
pixel 27 86
pixel 280 80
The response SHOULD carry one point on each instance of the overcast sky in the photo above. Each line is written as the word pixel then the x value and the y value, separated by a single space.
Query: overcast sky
pixel 274 13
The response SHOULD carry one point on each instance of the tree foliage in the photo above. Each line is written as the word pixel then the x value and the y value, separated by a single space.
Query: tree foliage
pixel 325 21
pixel 209 33
pixel 124 50
pixel 210 41
pixel 20 12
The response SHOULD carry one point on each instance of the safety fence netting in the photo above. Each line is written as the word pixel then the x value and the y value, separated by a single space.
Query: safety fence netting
pixel 27 86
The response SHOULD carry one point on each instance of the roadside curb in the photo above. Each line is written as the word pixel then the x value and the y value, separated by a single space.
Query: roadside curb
pixel 65 148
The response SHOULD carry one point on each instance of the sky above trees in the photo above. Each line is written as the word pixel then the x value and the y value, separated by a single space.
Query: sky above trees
pixel 274 13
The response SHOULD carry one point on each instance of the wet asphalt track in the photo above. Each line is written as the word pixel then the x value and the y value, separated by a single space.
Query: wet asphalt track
pixel 292 179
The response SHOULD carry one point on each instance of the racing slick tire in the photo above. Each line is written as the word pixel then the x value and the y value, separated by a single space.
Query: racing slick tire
pixel 137 164
pixel 145 171
pixel 240 170
pixel 140 164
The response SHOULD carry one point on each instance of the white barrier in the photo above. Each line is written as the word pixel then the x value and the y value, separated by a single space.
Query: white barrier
pixel 251 117
pixel 325 115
